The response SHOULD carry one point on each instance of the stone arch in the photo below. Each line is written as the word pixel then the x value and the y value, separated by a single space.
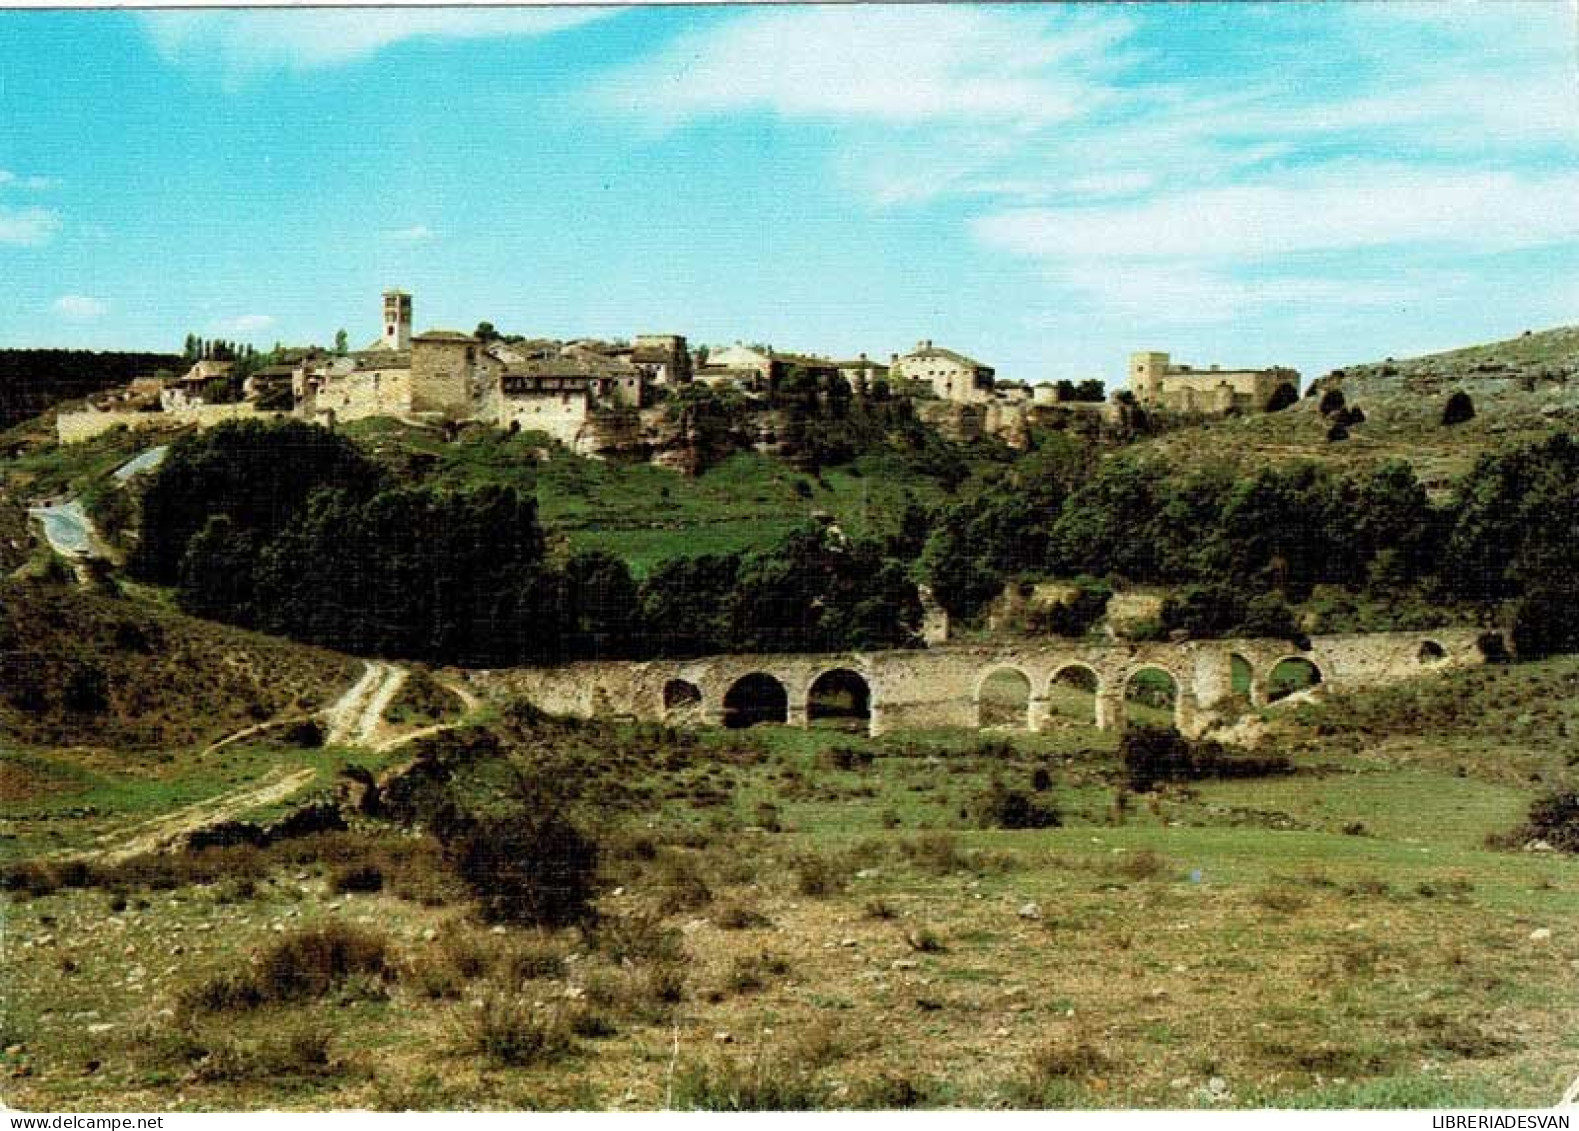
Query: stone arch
pixel 1431 652
pixel 1074 693
pixel 842 696
pixel 1290 675
pixel 1151 696
pixel 681 699
pixel 1003 698
pixel 755 698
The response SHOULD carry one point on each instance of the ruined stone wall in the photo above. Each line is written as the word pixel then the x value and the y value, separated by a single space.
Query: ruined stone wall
pixel 77 427
pixel 941 687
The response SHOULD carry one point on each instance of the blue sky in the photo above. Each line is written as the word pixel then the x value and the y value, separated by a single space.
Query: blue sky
pixel 1046 188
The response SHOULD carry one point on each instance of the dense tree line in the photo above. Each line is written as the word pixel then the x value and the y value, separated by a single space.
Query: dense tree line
pixel 289 528
pixel 33 380
pixel 1238 549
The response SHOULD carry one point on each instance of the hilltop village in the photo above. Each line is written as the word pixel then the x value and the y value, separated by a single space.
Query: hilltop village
pixel 601 397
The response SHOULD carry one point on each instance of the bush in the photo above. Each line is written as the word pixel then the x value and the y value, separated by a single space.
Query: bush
pixel 1331 401
pixel 509 1031
pixel 299 967
pixel 1162 754
pixel 535 868
pixel 357 878
pixel 1553 818
pixel 818 875
pixel 1459 409
pixel 1282 397
pixel 998 807
pixel 765 1084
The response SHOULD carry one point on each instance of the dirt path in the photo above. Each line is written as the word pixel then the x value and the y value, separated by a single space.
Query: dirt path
pixel 168 829
pixel 356 716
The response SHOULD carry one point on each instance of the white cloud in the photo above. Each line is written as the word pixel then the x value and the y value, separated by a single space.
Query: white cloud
pixel 245 44
pixel 418 233
pixel 28 227
pixel 893 65
pixel 245 324
pixel 80 308
pixel 1338 207
pixel 36 184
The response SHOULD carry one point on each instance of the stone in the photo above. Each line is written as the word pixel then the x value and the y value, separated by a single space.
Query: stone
pixel 1540 934
pixel 1030 910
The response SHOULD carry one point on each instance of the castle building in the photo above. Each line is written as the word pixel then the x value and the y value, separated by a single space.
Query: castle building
pixel 953 376
pixel 1158 383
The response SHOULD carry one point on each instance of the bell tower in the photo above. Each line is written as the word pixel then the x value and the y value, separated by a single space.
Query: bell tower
pixel 397 320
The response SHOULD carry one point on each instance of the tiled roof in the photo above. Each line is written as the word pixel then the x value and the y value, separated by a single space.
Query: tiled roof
pixel 948 355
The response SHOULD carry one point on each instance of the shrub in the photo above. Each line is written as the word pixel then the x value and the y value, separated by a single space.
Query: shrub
pixel 1553 818
pixel 998 807
pixel 680 883
pixel 1282 397
pixel 1331 401
pixel 357 878
pixel 737 917
pixel 1161 754
pixel 818 875
pixel 299 967
pixel 766 1083
pixel 535 867
pixel 510 1031
pixel 1459 409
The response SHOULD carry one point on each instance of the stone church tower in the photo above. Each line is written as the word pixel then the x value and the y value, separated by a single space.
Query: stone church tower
pixel 397 320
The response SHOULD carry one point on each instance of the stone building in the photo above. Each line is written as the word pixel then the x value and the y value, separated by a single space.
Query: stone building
pixel 952 376
pixel 1157 382
pixel 665 357
pixel 444 367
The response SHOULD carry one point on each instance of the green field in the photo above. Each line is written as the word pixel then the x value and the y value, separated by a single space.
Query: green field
pixel 830 912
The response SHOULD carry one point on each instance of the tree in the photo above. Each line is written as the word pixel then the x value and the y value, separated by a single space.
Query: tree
pixel 341 343
pixel 1282 397
pixel 485 332
pixel 1459 409
pixel 1331 401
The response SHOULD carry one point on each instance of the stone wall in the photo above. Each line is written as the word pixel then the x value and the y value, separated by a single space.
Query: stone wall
pixel 77 427
pixel 364 393
pixel 942 686
pixel 562 416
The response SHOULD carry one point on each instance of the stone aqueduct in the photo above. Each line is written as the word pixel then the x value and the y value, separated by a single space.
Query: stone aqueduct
pixel 942 686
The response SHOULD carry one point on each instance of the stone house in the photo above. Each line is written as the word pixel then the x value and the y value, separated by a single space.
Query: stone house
pixel 952 376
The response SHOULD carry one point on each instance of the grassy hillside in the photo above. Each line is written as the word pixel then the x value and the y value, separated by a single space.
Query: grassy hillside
pixel 91 670
pixel 646 514
pixel 1523 388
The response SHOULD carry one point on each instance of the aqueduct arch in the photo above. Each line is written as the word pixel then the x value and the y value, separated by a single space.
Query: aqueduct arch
pixel 1004 695
pixel 841 695
pixel 943 686
pixel 1153 695
pixel 755 698
pixel 1075 694
pixel 1290 675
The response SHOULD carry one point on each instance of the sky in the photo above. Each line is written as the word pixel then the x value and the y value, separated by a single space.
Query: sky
pixel 1046 188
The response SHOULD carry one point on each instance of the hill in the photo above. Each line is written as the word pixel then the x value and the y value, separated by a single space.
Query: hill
pixel 77 668
pixel 1522 389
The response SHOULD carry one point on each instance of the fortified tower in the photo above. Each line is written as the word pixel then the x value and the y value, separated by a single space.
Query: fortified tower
pixel 1146 371
pixel 397 320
